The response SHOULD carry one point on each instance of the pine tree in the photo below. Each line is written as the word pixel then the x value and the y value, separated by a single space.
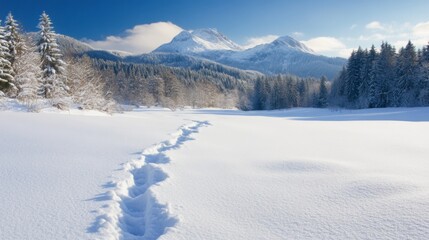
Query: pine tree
pixel 279 97
pixel 261 94
pixel 14 39
pixel 372 84
pixel 28 75
pixel 406 74
pixel 6 71
pixel 322 101
pixel 173 91
pixel 52 66
pixel 302 91
pixel 337 96
pixel 48 48
pixel 291 92
pixel 86 85
pixel 385 75
pixel 353 81
pixel 423 77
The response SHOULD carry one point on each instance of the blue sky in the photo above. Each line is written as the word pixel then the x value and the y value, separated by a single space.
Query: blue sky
pixel 331 27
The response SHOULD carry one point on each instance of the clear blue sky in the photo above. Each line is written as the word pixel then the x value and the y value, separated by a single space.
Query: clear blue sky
pixel 239 19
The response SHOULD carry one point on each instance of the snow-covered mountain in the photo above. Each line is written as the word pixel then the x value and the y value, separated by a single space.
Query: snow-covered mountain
pixel 284 55
pixel 199 40
pixel 202 47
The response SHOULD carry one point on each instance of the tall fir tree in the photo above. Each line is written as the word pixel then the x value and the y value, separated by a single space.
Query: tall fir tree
pixel 29 74
pixel 51 63
pixel 14 38
pixel 260 98
pixel 406 76
pixel 372 84
pixel 354 72
pixel 385 74
pixel 6 71
pixel 322 101
pixel 423 76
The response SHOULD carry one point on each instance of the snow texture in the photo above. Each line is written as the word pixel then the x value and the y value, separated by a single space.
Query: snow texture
pixel 283 55
pixel 198 41
pixel 290 174
pixel 135 212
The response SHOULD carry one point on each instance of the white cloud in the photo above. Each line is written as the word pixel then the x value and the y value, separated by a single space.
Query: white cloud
pixel 254 41
pixel 353 26
pixel 373 37
pixel 140 39
pixel 328 46
pixel 375 25
pixel 421 29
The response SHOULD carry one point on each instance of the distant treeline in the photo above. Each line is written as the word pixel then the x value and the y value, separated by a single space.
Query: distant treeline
pixel 33 68
pixel 378 79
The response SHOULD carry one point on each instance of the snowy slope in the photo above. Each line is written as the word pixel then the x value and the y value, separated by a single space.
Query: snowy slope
pixel 297 174
pixel 283 55
pixel 53 168
pixel 199 40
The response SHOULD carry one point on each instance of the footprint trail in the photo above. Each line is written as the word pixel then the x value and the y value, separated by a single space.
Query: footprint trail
pixel 134 211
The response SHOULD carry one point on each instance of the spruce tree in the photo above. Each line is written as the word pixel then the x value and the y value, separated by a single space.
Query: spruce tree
pixel 322 101
pixel 51 63
pixel 353 80
pixel 366 66
pixel 423 76
pixel 14 38
pixel 28 76
pixel 372 84
pixel 6 70
pixel 385 74
pixel 406 70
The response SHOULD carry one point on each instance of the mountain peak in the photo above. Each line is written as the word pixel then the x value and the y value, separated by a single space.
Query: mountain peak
pixel 199 40
pixel 290 42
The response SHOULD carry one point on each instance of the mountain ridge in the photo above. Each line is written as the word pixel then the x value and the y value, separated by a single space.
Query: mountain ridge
pixel 284 55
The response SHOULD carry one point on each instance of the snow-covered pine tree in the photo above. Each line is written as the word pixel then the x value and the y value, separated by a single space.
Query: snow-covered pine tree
pixel 86 86
pixel 52 65
pixel 14 38
pixel 28 76
pixel 173 91
pixel 6 71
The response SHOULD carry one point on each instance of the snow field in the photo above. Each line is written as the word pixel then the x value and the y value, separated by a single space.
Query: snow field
pixel 293 174
pixel 135 212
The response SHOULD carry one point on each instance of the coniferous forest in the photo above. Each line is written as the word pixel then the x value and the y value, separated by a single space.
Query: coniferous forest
pixel 384 78
pixel 36 66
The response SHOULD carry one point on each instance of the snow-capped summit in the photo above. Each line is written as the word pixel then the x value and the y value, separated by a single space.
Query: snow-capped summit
pixel 199 40
pixel 291 43
pixel 217 39
pixel 283 55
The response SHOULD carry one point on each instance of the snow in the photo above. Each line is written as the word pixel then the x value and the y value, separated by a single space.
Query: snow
pixel 215 174
pixel 283 55
pixel 199 40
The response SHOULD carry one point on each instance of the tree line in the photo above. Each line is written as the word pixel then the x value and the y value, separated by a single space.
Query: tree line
pixel 278 92
pixel 34 69
pixel 385 78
